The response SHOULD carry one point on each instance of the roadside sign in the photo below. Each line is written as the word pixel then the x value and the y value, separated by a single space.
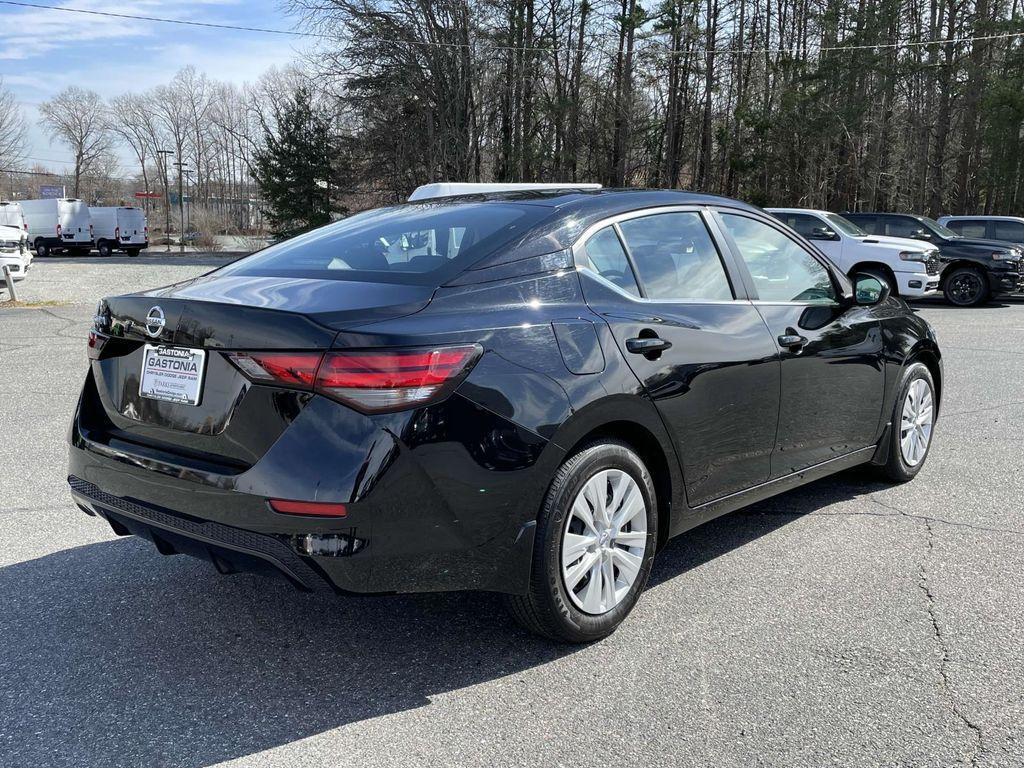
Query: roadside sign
pixel 149 194
pixel 49 191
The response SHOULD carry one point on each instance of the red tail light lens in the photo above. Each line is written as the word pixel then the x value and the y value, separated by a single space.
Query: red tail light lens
pixel 370 380
pixel 290 369
pixel 375 380
pixel 308 508
pixel 96 343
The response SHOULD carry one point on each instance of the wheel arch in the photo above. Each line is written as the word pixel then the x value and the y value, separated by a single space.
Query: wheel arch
pixel 633 421
pixel 928 354
pixel 956 264
pixel 878 265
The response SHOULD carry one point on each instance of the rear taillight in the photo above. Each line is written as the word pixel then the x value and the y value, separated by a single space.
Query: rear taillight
pixel 96 343
pixel 308 508
pixel 58 230
pixel 117 232
pixel 290 369
pixel 370 380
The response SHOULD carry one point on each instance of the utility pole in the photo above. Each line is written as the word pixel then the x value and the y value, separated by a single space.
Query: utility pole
pixel 162 155
pixel 181 203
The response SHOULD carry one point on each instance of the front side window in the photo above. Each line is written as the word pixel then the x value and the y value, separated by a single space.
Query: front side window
pixel 607 258
pixel 782 270
pixel 904 226
pixel 676 257
pixel 803 223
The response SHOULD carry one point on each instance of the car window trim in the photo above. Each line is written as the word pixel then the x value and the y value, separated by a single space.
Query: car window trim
pixel 799 240
pixel 732 273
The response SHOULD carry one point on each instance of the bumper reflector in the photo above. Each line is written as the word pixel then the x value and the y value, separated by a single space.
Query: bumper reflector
pixel 307 508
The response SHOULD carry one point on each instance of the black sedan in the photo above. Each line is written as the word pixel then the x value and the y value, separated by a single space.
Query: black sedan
pixel 527 393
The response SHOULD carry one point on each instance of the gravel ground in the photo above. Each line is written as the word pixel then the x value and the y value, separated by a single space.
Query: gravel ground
pixel 848 623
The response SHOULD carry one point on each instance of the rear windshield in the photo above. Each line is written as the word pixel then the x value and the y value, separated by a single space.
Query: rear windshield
pixel 422 244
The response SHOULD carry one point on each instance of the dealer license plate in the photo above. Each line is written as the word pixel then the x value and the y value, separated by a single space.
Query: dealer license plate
pixel 173 374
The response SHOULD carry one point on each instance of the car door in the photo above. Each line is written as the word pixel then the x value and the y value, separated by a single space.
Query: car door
pixel 831 354
pixel 681 317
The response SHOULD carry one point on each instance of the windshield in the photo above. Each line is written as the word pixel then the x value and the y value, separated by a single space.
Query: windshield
pixel 422 244
pixel 845 226
pixel 937 228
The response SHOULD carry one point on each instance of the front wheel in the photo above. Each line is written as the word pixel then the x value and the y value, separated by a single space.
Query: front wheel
pixel 42 249
pixel 966 287
pixel 594 546
pixel 104 249
pixel 913 421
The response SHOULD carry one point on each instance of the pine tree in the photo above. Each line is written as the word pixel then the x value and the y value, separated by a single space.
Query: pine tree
pixel 294 167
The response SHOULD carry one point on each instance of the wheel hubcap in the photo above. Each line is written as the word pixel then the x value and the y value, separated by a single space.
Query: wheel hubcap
pixel 916 422
pixel 604 541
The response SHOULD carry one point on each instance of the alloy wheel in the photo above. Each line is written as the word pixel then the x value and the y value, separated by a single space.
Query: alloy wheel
pixel 965 288
pixel 604 541
pixel 916 422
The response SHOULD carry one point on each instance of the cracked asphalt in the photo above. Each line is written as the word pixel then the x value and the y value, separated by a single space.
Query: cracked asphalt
pixel 848 623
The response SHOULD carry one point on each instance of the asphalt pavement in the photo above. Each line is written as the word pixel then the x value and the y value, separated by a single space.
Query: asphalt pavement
pixel 848 623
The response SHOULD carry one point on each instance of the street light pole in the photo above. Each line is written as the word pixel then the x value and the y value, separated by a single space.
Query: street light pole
pixel 164 153
pixel 181 204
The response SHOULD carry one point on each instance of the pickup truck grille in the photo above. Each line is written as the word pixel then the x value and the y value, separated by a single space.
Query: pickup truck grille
pixel 933 266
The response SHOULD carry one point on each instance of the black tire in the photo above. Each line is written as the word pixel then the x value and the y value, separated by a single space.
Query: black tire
pixel 884 277
pixel 42 249
pixel 966 287
pixel 896 467
pixel 104 249
pixel 546 609
pixel 133 252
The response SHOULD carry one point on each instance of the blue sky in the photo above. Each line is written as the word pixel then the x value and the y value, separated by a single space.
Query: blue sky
pixel 44 51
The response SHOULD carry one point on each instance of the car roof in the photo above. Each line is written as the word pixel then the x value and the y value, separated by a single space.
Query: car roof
pixel 574 211
pixel 800 210
pixel 982 217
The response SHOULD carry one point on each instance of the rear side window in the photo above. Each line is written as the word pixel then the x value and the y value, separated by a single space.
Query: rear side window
pixel 968 228
pixel 1009 230
pixel 676 257
pixel 608 258
pixel 422 244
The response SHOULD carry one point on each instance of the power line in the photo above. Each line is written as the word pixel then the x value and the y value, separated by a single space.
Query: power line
pixel 542 49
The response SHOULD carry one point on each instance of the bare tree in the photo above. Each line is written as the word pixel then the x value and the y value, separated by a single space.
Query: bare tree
pixel 75 116
pixel 12 129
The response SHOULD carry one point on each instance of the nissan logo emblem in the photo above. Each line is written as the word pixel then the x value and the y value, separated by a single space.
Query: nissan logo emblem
pixel 155 322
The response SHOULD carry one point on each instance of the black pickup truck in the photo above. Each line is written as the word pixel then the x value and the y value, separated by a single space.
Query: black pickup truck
pixel 977 269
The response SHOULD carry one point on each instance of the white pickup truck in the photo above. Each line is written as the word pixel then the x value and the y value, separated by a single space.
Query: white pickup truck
pixel 911 268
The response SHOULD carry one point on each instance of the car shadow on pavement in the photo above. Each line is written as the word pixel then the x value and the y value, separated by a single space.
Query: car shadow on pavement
pixel 113 655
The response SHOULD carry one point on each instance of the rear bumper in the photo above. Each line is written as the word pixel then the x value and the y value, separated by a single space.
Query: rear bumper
pixel 424 513
pixel 229 549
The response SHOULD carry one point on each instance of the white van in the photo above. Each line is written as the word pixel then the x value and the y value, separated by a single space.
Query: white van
pixel 119 228
pixel 11 215
pixel 58 225
pixel 14 252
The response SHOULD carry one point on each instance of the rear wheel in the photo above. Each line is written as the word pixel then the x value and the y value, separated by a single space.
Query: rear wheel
pixel 104 248
pixel 133 252
pixel 42 249
pixel 913 421
pixel 966 287
pixel 594 546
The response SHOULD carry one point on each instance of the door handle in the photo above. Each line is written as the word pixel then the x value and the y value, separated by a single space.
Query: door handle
pixel 792 341
pixel 648 345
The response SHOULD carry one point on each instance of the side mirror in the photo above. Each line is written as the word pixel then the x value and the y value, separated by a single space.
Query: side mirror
pixel 868 290
pixel 921 234
pixel 823 233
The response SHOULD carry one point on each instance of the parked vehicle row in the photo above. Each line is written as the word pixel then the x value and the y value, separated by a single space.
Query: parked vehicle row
pixel 67 225
pixel 524 392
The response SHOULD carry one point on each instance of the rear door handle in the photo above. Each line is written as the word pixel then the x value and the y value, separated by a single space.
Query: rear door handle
pixel 648 345
pixel 792 341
